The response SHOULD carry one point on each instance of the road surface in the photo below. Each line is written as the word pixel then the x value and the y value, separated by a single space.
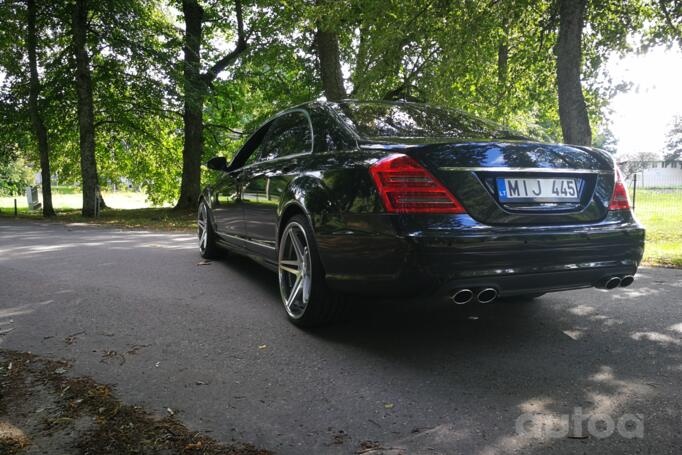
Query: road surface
pixel 137 310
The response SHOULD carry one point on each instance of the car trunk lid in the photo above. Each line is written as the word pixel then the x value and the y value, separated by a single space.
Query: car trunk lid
pixel 518 182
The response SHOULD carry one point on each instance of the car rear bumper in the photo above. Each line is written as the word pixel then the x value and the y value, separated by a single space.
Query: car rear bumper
pixel 513 260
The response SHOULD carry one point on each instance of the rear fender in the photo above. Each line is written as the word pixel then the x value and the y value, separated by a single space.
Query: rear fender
pixel 309 195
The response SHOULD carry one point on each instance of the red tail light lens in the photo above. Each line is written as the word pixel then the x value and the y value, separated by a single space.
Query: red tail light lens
pixel 406 187
pixel 620 199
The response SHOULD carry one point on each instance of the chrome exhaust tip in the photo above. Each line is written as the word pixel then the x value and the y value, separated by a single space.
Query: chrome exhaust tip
pixel 487 295
pixel 612 282
pixel 462 296
pixel 626 281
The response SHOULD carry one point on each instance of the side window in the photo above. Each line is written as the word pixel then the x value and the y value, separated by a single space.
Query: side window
pixel 329 134
pixel 288 135
pixel 256 152
pixel 250 151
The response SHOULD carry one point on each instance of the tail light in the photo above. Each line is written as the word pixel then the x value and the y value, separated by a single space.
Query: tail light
pixel 406 187
pixel 620 199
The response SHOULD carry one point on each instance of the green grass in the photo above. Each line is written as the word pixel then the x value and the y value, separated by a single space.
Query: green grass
pixel 660 211
pixel 70 198
pixel 127 210
pixel 155 218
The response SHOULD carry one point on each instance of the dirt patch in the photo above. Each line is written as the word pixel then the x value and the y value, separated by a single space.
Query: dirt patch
pixel 43 411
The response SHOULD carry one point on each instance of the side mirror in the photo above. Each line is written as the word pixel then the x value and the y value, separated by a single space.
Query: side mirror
pixel 218 163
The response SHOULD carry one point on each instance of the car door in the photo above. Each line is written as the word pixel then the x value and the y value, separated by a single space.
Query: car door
pixel 228 213
pixel 289 138
pixel 228 210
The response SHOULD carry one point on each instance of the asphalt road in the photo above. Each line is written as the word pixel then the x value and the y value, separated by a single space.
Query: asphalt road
pixel 136 310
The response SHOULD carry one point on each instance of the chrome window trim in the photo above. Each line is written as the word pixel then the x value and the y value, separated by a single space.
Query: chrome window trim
pixel 310 126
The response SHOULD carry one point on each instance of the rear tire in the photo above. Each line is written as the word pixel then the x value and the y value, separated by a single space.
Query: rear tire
pixel 208 248
pixel 307 299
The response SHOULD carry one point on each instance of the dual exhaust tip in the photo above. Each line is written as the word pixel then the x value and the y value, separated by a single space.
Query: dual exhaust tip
pixel 466 295
pixel 615 281
pixel 489 295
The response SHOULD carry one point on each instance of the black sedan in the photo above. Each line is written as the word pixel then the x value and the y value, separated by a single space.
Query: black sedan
pixel 406 199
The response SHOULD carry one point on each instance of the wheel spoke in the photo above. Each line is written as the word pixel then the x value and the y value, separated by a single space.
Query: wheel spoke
pixel 295 278
pixel 201 227
pixel 290 266
pixel 298 247
pixel 296 288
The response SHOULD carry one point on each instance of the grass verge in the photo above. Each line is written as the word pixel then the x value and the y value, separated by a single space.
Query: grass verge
pixel 166 219
pixel 660 212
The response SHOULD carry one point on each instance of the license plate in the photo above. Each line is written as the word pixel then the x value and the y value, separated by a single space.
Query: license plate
pixel 539 189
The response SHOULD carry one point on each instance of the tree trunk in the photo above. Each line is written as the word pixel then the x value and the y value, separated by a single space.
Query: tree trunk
pixel 37 120
pixel 195 89
pixel 86 118
pixel 575 122
pixel 330 65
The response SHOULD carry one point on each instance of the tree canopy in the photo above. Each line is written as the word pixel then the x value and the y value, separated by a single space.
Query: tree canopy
pixel 174 82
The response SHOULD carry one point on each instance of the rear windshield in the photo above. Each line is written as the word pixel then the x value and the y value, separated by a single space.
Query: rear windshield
pixel 410 120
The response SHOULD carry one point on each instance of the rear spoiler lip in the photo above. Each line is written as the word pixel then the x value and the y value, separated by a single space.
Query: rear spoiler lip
pixel 532 170
pixel 418 143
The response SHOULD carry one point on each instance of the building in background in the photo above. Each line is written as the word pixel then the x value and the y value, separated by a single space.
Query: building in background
pixel 653 174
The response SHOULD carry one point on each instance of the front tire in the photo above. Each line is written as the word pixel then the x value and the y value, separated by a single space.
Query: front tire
pixel 208 247
pixel 307 299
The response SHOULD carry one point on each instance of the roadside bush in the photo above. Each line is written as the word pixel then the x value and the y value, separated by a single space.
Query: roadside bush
pixel 15 176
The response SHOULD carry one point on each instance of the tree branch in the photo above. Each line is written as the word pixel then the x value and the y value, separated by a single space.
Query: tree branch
pixel 228 59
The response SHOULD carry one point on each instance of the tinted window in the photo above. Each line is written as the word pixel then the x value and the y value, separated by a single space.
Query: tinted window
pixel 288 135
pixel 329 135
pixel 251 150
pixel 405 120
pixel 255 153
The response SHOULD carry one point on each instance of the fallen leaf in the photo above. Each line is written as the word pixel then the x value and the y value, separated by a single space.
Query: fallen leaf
pixel 194 445
pixel 573 334
pixel 70 339
pixel 62 421
pixel 136 347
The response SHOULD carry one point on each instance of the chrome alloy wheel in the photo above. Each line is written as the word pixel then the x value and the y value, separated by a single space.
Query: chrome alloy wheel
pixel 295 270
pixel 202 232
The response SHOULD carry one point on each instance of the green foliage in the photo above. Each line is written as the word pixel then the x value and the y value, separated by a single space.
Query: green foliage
pixel 673 146
pixel 605 140
pixel 494 58
pixel 15 176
